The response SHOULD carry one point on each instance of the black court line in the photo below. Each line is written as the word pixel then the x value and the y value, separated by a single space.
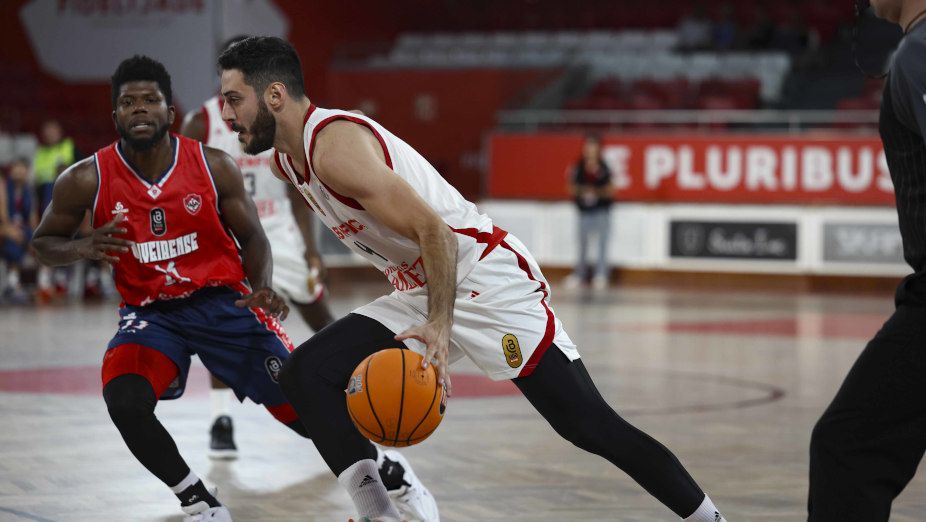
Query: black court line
pixel 770 394
pixel 23 514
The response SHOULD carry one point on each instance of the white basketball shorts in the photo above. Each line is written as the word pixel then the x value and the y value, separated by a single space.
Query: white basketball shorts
pixel 502 317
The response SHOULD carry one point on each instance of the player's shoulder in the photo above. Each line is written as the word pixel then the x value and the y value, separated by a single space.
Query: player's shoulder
pixel 221 165
pixel 81 176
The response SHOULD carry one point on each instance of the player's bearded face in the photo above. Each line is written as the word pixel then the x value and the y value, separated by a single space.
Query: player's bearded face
pixel 262 132
pixel 141 143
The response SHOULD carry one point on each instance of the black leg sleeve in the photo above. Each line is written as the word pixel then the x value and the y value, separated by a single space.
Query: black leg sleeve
pixel 867 445
pixel 563 392
pixel 131 401
pixel 314 379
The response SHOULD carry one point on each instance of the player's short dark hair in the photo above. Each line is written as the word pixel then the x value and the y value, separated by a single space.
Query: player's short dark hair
pixel 264 60
pixel 141 69
pixel 232 41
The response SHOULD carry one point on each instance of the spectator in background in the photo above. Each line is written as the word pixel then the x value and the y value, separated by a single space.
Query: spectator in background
pixel 54 154
pixel 762 32
pixel 16 226
pixel 725 30
pixel 694 30
pixel 591 186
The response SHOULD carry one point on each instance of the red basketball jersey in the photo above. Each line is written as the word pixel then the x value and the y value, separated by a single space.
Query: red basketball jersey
pixel 179 241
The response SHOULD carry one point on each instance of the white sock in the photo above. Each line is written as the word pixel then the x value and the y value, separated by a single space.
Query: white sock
pixel 44 278
pixel 185 483
pixel 706 512
pixel 13 278
pixel 221 400
pixel 362 482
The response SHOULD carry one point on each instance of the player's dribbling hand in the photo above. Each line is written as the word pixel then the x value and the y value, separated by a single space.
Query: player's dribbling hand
pixel 100 244
pixel 436 337
pixel 265 299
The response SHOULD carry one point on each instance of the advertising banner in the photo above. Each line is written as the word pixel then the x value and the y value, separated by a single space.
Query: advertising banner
pixel 701 168
pixel 862 243
pixel 733 240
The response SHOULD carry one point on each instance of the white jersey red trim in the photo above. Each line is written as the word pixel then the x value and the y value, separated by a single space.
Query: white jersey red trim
pixel 398 257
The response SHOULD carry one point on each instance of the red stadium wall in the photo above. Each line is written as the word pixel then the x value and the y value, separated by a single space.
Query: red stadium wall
pixel 444 114
pixel 779 169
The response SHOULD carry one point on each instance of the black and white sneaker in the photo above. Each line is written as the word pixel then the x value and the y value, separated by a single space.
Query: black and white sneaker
pixel 222 446
pixel 409 495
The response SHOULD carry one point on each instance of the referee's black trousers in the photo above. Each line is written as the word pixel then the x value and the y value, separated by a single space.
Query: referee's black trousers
pixel 867 445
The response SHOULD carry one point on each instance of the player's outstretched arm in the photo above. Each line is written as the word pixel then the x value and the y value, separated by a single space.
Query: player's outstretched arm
pixel 240 215
pixel 194 125
pixel 72 197
pixel 349 159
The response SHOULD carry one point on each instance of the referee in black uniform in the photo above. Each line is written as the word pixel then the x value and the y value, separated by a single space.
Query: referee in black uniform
pixel 867 445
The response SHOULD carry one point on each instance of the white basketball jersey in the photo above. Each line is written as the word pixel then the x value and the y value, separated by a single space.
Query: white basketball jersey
pixel 398 257
pixel 268 192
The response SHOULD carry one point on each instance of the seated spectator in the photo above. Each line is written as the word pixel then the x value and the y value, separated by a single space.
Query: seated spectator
pixel 725 30
pixel 17 225
pixel 694 30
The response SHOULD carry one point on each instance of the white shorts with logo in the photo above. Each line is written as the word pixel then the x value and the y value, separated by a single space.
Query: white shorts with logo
pixel 502 317
pixel 291 272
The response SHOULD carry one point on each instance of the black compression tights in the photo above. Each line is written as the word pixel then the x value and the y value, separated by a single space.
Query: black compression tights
pixel 130 400
pixel 316 374
pixel 565 395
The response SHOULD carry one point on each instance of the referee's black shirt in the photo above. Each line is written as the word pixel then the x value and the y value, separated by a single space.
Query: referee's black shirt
pixel 903 127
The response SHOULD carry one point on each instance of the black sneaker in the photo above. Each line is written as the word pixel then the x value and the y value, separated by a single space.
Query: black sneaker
pixel 222 445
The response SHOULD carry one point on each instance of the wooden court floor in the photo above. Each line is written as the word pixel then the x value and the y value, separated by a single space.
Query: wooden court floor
pixel 731 382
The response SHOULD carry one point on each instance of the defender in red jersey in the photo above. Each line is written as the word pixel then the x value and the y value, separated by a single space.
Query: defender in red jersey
pixel 173 218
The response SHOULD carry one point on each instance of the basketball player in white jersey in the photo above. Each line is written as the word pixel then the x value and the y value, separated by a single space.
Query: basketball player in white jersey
pixel 297 266
pixel 462 287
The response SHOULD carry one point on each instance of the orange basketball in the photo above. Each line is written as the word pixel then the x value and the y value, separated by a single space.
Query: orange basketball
pixel 392 400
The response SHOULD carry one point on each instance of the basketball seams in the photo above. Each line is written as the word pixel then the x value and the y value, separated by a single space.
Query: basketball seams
pixel 398 428
pixel 425 416
pixel 366 432
pixel 389 394
pixel 366 388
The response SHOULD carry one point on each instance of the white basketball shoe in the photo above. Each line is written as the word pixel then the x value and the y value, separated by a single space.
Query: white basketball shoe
pixel 414 500
pixel 216 514
pixel 201 512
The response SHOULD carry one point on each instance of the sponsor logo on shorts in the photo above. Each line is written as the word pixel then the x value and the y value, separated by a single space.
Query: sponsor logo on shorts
pixel 274 365
pixel 355 385
pixel 512 350
pixel 158 221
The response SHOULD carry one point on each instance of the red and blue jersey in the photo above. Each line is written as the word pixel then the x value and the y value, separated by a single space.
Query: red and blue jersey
pixel 180 243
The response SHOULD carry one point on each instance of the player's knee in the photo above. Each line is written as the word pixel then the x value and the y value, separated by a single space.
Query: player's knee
pixel 299 368
pixel 580 432
pixel 825 437
pixel 289 375
pixel 129 398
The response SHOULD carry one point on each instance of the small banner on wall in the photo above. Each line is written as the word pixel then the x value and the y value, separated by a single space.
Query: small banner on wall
pixel 733 240
pixel 862 243
pixel 717 168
